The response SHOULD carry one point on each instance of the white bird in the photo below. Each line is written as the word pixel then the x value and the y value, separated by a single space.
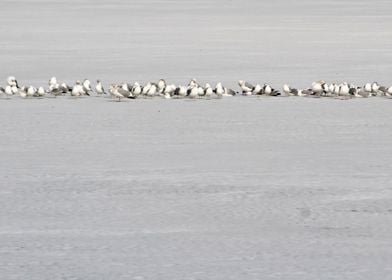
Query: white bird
pixel 344 90
pixel 52 81
pixel 22 92
pixel 318 87
pixel 41 91
pixel 99 88
pixel 256 90
pixel 8 91
pixel 31 91
pixel 11 81
pixel 246 87
pixel 161 85
pixel 375 87
pixel 152 91
pixel 146 88
pixel 289 91
pixel 113 90
pixel 77 89
pixel 368 87
pixel 389 91
pixel 181 91
pixel 87 87
pixel 169 89
pixel 194 92
pixel 136 89
pixel 219 89
pixel 193 83
pixel 208 91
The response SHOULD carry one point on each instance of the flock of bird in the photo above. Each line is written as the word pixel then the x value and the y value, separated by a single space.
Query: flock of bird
pixel 192 90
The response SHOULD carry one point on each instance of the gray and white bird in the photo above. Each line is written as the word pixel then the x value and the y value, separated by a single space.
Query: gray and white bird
pixel 136 89
pixel 87 87
pixel 114 92
pixel 246 87
pixel 77 89
pixel 99 88
pixel 289 91
pixel 11 81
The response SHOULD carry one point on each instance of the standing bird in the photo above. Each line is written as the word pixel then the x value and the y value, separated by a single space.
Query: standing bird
pixel 11 81
pixel 99 88
pixel 77 89
pixel 87 87
pixel 136 89
pixel 114 92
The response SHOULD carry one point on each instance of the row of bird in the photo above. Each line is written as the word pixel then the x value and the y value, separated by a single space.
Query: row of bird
pixel 192 90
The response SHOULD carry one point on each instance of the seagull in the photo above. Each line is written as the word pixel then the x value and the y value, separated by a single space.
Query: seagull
pixel 146 88
pixel 318 87
pixel 389 91
pixel 152 91
pixel 161 85
pixel 77 89
pixel 31 91
pixel 257 90
pixel 64 88
pixel 114 91
pixel 87 87
pixel 8 91
pixel 136 89
pixel 193 83
pixel 11 81
pixel 268 90
pixel 41 91
pixel 344 90
pixel 193 92
pixel 169 89
pixel 181 91
pixel 208 91
pixel 22 92
pixel 125 91
pixel 246 87
pixel 99 88
pixel 290 91
pixel 219 89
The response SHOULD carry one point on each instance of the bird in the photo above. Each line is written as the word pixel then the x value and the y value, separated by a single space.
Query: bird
pixel 268 90
pixel 193 92
pixel 289 91
pixel 161 85
pixel 41 91
pixel 136 89
pixel 318 87
pixel 87 87
pixel 8 91
pixel 11 81
pixel 152 91
pixel 257 90
pixel 208 91
pixel 114 92
pixel 31 91
pixel 246 87
pixel 99 88
pixel 77 89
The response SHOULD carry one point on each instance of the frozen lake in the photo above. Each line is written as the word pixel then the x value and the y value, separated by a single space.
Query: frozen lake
pixel 238 188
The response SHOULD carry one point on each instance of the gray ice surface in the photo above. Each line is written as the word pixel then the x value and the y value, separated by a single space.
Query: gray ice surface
pixel 238 188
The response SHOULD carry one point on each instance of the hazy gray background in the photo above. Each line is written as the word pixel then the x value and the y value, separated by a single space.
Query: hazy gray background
pixel 273 41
